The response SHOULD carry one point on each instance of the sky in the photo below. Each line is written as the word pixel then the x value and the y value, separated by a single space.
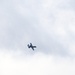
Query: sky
pixel 48 24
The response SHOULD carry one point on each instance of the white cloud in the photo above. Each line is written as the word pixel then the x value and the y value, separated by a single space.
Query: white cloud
pixel 38 64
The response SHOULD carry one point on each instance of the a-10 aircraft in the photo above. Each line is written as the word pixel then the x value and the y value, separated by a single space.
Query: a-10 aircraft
pixel 31 46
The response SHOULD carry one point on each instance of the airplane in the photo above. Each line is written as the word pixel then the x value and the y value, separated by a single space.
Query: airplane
pixel 31 46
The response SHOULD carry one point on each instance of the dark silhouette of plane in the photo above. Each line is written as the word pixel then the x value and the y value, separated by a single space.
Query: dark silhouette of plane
pixel 31 46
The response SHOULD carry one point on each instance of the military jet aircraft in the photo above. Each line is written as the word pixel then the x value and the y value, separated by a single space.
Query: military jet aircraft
pixel 31 46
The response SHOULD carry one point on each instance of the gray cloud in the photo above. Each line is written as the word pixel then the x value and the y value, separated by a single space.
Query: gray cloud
pixel 44 23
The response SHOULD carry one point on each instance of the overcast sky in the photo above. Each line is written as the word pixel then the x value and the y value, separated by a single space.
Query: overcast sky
pixel 48 24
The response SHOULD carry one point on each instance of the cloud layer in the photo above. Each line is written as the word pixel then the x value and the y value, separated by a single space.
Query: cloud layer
pixel 49 24
pixel 38 64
